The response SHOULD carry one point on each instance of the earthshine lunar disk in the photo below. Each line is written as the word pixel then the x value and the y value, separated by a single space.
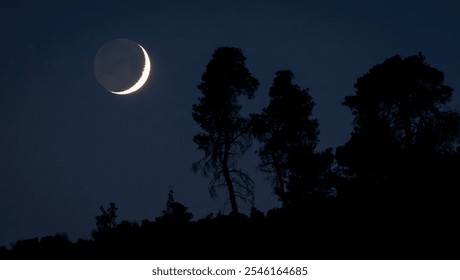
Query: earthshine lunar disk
pixel 144 76
pixel 122 66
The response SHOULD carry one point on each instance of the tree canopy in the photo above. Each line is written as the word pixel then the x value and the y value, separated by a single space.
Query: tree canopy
pixel 402 126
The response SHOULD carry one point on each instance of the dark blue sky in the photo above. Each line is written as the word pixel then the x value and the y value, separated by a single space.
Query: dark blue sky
pixel 67 145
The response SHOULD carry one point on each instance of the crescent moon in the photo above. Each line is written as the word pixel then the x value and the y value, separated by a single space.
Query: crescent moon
pixel 144 76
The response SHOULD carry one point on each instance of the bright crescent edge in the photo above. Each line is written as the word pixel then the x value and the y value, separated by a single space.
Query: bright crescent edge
pixel 142 79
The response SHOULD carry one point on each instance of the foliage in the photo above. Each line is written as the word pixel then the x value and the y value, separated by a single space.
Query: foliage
pixel 226 133
pixel 399 110
pixel 402 151
pixel 107 220
pixel 289 136
pixel 175 213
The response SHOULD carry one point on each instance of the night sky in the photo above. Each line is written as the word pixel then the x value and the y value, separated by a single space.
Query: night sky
pixel 68 146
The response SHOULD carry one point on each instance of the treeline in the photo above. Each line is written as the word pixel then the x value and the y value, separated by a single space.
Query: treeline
pixel 404 136
pixel 324 229
pixel 389 192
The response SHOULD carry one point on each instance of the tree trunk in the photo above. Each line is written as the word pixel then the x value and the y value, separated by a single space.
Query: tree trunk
pixel 279 189
pixel 228 180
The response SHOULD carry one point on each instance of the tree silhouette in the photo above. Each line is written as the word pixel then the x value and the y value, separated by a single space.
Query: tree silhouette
pixel 401 125
pixel 107 220
pixel 290 135
pixel 175 213
pixel 227 134
pixel 27 248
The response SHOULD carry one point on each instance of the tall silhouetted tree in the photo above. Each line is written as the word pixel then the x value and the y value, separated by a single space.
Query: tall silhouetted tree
pixel 401 123
pixel 289 137
pixel 226 133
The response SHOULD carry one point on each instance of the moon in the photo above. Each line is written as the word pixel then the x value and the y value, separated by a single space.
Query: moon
pixel 122 66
